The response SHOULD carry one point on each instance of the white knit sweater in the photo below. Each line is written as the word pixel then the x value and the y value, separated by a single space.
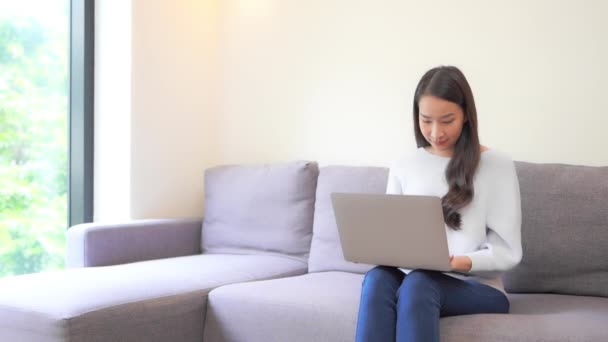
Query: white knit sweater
pixel 490 231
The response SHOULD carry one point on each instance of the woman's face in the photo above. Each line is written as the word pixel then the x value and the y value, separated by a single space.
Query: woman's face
pixel 441 123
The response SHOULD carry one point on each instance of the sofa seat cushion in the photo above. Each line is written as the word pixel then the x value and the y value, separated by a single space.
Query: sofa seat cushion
pixel 323 306
pixel 319 306
pixel 158 300
pixel 535 317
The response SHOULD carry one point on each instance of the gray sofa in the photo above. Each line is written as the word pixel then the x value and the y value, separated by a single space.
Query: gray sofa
pixel 267 266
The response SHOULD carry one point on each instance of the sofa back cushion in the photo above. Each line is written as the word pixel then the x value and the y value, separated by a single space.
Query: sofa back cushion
pixel 564 230
pixel 260 209
pixel 325 250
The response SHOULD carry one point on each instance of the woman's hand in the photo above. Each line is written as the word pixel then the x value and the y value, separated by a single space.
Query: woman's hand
pixel 461 263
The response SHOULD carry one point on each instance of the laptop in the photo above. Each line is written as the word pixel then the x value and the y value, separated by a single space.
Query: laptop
pixel 405 231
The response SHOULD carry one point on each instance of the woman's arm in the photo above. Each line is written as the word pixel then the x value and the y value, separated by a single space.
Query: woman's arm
pixel 502 249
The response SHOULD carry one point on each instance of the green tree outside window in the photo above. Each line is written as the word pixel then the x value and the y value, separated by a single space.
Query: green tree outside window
pixel 34 60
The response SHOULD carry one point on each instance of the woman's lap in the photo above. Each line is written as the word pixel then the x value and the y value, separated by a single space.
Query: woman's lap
pixel 456 296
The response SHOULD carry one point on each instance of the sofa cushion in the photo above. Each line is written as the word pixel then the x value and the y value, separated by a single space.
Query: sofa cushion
pixel 260 209
pixel 564 230
pixel 534 317
pixel 325 250
pixel 159 300
pixel 324 306
pixel 318 306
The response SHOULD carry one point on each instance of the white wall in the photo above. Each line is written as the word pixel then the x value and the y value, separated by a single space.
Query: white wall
pixel 112 169
pixel 241 81
pixel 174 65
pixel 334 80
pixel 155 85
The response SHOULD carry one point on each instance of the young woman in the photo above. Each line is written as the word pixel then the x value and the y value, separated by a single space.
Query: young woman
pixel 481 206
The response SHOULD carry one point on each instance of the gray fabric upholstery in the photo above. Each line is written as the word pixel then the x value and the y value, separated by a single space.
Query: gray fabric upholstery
pixel 534 317
pixel 104 244
pixel 319 306
pixel 325 250
pixel 159 300
pixel 564 230
pixel 323 306
pixel 261 209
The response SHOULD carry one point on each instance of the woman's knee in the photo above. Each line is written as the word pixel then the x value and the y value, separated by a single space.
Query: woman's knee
pixel 419 285
pixel 379 275
pixel 422 276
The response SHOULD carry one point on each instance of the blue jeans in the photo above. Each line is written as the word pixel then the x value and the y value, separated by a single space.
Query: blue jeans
pixel 399 307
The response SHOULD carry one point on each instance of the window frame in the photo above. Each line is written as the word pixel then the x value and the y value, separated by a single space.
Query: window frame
pixel 81 112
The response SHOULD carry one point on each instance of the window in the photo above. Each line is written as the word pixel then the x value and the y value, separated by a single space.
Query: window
pixel 38 122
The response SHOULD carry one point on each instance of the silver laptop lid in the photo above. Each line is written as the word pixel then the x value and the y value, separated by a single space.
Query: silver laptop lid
pixel 395 230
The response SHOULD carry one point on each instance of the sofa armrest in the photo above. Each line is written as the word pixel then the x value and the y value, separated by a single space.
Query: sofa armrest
pixel 103 244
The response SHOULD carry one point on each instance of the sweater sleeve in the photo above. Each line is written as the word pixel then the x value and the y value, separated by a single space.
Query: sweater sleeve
pixel 502 249
pixel 393 185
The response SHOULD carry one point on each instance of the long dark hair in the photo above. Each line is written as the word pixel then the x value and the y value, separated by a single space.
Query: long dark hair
pixel 449 83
